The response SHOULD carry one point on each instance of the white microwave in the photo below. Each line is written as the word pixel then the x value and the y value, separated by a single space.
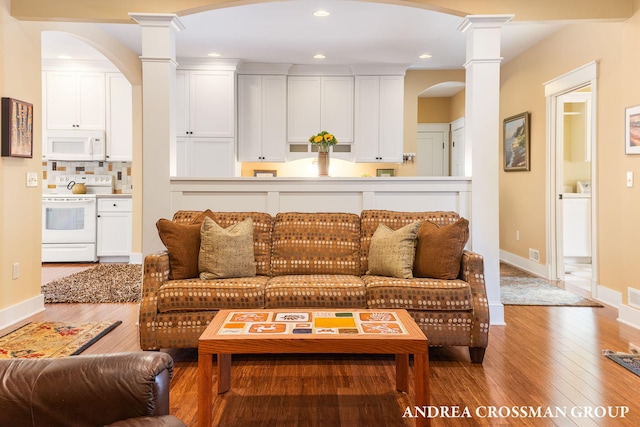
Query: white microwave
pixel 75 145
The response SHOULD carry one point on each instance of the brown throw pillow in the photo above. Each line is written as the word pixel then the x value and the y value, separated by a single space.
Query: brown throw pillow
pixel 392 252
pixel 439 249
pixel 226 252
pixel 183 244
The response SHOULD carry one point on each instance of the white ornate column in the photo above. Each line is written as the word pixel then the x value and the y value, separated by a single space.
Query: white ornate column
pixel 158 119
pixel 482 143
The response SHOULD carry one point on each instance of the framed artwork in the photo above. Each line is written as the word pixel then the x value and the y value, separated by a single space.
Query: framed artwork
pixel 516 143
pixel 265 173
pixel 385 172
pixel 632 130
pixel 17 128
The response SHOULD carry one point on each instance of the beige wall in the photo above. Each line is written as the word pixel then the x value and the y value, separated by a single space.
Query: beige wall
pixel 20 207
pixel 434 110
pixel 522 194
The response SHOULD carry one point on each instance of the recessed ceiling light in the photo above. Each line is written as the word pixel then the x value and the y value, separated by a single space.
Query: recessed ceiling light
pixel 425 56
pixel 214 55
pixel 64 57
pixel 321 13
pixel 319 56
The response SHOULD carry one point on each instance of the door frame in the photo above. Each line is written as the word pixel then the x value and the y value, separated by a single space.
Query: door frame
pixel 569 82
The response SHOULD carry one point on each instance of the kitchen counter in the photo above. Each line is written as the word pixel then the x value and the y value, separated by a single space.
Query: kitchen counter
pixel 113 196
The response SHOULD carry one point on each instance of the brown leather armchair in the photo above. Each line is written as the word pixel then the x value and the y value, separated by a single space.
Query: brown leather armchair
pixel 118 389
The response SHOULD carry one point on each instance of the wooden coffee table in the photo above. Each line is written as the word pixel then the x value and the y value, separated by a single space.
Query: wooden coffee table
pixel 351 331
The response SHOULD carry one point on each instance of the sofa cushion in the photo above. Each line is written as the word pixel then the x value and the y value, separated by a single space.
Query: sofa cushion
pixel 392 252
pixel 439 249
pixel 198 295
pixel 315 290
pixel 226 252
pixel 183 245
pixel 370 219
pixel 262 223
pixel 315 243
pixel 418 294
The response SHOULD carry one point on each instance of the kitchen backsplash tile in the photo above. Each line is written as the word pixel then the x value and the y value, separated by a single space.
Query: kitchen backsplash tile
pixel 120 170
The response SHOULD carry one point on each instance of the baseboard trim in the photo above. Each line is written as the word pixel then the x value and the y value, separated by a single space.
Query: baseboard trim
pixel 629 316
pixel 16 314
pixel 135 258
pixel 496 314
pixel 525 264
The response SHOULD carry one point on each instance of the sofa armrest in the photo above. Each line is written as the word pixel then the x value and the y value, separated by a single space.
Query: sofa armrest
pixel 156 269
pixel 96 389
pixel 472 272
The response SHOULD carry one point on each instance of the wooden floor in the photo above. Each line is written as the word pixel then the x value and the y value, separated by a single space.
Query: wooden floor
pixel 548 357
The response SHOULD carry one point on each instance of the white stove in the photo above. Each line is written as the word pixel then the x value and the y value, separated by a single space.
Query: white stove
pixel 69 220
pixel 96 184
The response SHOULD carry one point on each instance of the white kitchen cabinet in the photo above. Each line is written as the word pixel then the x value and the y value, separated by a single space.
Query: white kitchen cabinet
pixel 119 118
pixel 576 225
pixel 205 103
pixel 320 103
pixel 262 118
pixel 114 229
pixel 379 115
pixel 205 157
pixel 75 100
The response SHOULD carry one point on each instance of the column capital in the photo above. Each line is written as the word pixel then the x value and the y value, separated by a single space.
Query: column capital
pixel 164 20
pixel 484 21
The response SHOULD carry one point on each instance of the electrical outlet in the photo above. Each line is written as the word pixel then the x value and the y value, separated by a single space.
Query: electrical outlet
pixel 517 234
pixel 16 270
pixel 629 178
pixel 534 255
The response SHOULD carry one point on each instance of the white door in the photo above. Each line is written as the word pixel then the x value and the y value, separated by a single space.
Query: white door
pixel 274 118
pixel 119 119
pixel 457 148
pixel 337 107
pixel 432 153
pixel 250 118
pixel 303 112
pixel 211 104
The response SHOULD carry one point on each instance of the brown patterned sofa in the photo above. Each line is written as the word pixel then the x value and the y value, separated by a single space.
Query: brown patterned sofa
pixel 307 260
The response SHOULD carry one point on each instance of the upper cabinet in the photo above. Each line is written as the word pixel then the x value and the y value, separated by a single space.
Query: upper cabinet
pixel 320 103
pixel 119 118
pixel 75 100
pixel 262 118
pixel 205 103
pixel 379 115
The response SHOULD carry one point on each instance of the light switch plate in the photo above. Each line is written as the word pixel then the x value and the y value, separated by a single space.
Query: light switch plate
pixel 629 178
pixel 32 179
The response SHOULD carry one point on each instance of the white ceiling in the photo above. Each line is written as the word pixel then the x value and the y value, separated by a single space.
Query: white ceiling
pixel 286 32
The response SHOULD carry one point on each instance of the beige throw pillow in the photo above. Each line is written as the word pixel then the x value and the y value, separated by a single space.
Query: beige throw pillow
pixel 226 253
pixel 391 253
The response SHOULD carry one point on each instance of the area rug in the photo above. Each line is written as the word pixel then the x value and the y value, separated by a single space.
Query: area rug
pixel 105 283
pixel 630 361
pixel 53 339
pixel 535 291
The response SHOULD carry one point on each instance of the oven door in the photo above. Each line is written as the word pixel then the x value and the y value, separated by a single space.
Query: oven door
pixel 68 220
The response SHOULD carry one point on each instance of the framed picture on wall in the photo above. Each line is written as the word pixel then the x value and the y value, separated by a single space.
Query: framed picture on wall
pixel 265 173
pixel 516 143
pixel 17 128
pixel 632 130
pixel 385 172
